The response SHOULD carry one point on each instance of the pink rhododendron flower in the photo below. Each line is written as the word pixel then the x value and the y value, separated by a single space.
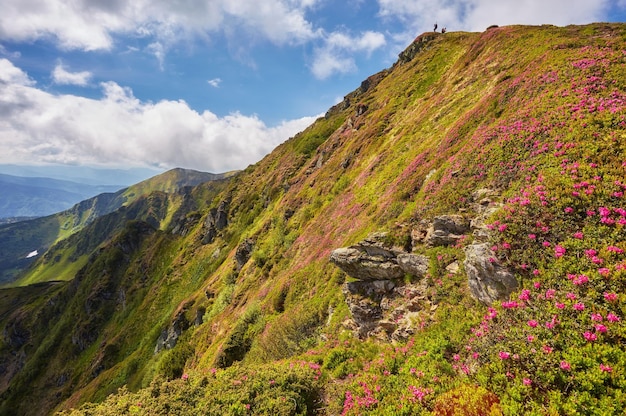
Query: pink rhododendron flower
pixel 546 244
pixel 578 235
pixel 525 295
pixel 527 381
pixel 559 305
pixel 511 304
pixel 530 338
pixel 571 296
pixel 559 251
pixel 596 317
pixel 565 366
pixel 603 271
pixel 590 336
pixel 579 306
pixel 504 355
pixel 600 328
pixel 568 210
pixel 590 252
pixel 532 323
pixel 550 293
pixel 532 236
pixel 611 317
pixel 605 368
pixel 610 297
pixel 580 280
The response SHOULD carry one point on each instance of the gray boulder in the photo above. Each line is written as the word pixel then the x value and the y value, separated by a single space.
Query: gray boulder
pixel 413 264
pixel 446 230
pixel 358 263
pixel 488 280
pixel 372 259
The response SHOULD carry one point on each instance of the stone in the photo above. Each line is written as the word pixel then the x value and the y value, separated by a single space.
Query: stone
pixel 488 280
pixel 358 263
pixel 453 268
pixel 413 264
pixel 446 230
pixel 216 220
pixel 243 253
pixel 168 338
pixel 373 259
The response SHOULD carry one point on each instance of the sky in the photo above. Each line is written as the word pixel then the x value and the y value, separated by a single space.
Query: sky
pixel 212 85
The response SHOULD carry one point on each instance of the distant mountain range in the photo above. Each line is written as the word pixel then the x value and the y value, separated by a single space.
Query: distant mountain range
pixel 82 174
pixel 36 196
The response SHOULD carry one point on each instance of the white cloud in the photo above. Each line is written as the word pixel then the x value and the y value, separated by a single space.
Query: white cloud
pixel 119 129
pixel 335 56
pixel 91 24
pixel 215 82
pixel 476 15
pixel 63 77
pixel 10 74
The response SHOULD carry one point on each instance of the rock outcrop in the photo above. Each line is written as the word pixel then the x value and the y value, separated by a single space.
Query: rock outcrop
pixel 373 259
pixel 446 230
pixel 169 336
pixel 216 220
pixel 243 253
pixel 488 280
pixel 381 303
pixel 387 309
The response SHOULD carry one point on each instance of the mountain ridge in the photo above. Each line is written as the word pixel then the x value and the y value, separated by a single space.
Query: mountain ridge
pixel 39 234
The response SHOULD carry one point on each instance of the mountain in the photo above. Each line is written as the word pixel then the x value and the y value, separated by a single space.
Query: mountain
pixel 22 242
pixel 36 197
pixel 83 174
pixel 449 239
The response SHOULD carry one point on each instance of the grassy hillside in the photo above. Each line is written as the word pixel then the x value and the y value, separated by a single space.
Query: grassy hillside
pixel 236 309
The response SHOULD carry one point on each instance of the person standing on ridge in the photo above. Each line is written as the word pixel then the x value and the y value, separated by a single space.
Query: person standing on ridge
pixel 435 29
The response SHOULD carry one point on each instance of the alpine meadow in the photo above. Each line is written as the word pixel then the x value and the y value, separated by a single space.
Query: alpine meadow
pixel 449 240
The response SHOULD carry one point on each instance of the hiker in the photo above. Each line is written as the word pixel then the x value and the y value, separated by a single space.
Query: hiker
pixel 443 30
pixel 435 29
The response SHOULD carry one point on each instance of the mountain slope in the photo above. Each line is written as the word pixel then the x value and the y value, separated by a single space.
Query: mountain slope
pixel 478 157
pixel 18 240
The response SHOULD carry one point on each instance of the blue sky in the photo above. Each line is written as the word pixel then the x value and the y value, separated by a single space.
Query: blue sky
pixel 212 85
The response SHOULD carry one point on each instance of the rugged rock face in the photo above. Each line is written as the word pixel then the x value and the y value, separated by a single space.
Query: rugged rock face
pixel 420 43
pixel 387 309
pixel 382 305
pixel 169 336
pixel 447 230
pixel 216 220
pixel 488 281
pixel 185 224
pixel 244 250
pixel 372 259
pixel 484 205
